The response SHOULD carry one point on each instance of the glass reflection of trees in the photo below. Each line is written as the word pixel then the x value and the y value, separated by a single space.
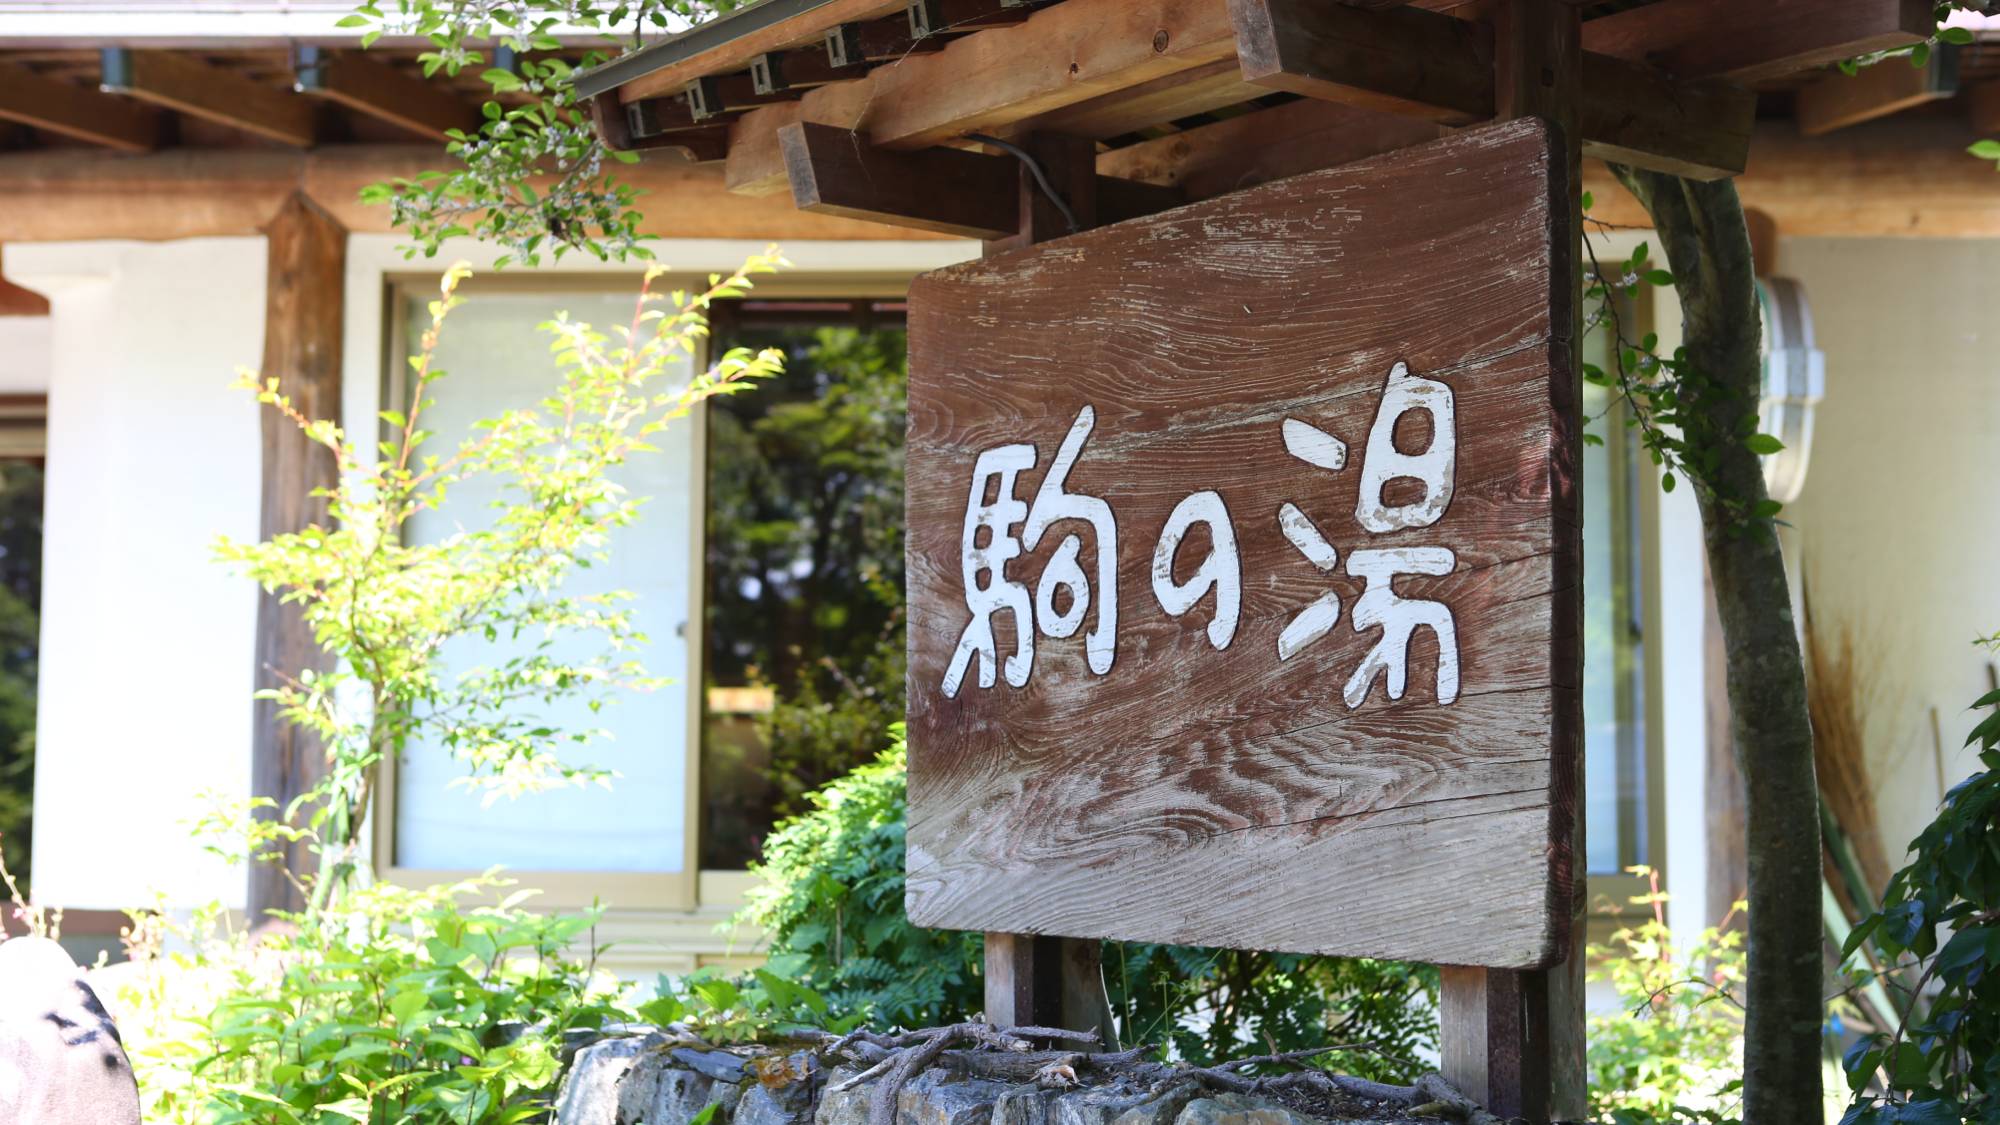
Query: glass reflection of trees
pixel 804 644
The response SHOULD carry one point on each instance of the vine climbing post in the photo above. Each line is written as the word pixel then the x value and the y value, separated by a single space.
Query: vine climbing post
pixel 1716 379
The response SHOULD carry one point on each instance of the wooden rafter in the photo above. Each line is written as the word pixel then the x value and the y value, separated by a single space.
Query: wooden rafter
pixel 735 53
pixel 366 86
pixel 1064 55
pixel 177 81
pixel 74 111
pixel 1430 65
pixel 1103 67
pixel 1836 101
pixel 1752 42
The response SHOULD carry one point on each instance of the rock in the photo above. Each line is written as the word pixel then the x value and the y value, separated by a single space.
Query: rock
pixel 790 1104
pixel 1026 1104
pixel 681 1094
pixel 1118 1105
pixel 843 1107
pixel 61 1060
pixel 595 1092
pixel 1239 1109
pixel 935 1098
pixel 719 1065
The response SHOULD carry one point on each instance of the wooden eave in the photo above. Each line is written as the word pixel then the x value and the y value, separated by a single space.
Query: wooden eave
pixel 1180 88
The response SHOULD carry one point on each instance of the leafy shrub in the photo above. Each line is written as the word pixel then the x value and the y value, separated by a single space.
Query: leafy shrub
pixel 758 1007
pixel 404 1006
pixel 1941 1064
pixel 832 904
pixel 1674 1052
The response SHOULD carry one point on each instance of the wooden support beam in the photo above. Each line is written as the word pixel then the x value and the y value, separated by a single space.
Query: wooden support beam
pixel 303 292
pixel 1270 144
pixel 74 111
pixel 176 81
pixel 943 190
pixel 1186 93
pixel 69 194
pixel 1634 114
pixel 1836 100
pixel 1430 65
pixel 1032 978
pixel 946 190
pixel 1395 60
pixel 378 90
pixel 1511 1040
pixel 1753 42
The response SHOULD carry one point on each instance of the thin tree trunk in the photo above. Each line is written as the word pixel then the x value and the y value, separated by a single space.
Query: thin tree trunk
pixel 1702 231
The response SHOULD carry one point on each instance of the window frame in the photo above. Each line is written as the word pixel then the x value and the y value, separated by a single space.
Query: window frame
pixel 580 888
pixel 1611 894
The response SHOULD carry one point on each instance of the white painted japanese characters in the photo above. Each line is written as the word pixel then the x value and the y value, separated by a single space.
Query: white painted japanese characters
pixel 1242 570
pixel 988 546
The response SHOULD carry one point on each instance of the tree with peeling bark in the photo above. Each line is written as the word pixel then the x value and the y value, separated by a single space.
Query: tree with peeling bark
pixel 1698 408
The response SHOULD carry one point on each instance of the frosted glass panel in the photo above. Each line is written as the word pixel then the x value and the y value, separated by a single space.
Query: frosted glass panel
pixel 497 360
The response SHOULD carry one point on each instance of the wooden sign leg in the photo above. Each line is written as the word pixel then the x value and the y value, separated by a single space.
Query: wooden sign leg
pixel 1514 1041
pixel 1038 981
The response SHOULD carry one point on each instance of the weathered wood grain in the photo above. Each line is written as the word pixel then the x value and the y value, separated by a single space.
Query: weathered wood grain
pixel 302 345
pixel 1230 797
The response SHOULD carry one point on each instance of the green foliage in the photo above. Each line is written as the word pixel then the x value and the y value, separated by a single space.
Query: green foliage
pixel 382 609
pixel 760 1007
pixel 404 1006
pixel 1668 398
pixel 1674 1052
pixel 20 629
pixel 832 903
pixel 1211 1005
pixel 534 131
pixel 1940 921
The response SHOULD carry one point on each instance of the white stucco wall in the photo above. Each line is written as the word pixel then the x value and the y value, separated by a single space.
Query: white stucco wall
pixel 145 657
pixel 24 354
pixel 147 644
pixel 1898 529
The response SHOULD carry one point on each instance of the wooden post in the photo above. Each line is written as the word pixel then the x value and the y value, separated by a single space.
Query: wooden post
pixel 1514 1041
pixel 1031 979
pixel 302 330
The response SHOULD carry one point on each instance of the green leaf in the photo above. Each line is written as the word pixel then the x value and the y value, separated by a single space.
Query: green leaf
pixel 1659 277
pixel 356 20
pixel 1958 36
pixel 1763 444
pixel 1985 150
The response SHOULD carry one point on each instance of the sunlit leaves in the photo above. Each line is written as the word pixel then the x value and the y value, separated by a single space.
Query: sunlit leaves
pixel 1667 398
pixel 1936 944
pixel 533 177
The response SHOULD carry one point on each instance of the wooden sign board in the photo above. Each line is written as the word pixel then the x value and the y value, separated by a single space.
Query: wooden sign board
pixel 1243 558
